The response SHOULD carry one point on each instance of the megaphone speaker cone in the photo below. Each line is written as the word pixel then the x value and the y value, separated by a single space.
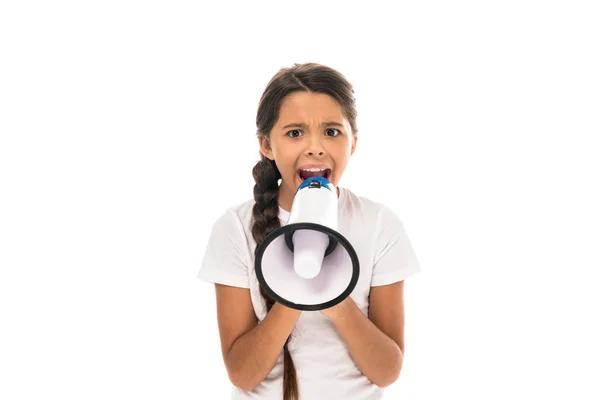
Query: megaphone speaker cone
pixel 278 275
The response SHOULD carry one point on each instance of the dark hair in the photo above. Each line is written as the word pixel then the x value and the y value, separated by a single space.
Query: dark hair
pixel 308 77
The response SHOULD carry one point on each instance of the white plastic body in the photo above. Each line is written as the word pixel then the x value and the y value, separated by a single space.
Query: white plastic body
pixel 316 205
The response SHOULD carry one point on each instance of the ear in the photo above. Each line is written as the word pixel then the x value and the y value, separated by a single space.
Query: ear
pixel 354 139
pixel 265 147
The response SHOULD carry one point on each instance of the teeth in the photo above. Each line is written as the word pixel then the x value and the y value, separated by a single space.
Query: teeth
pixel 313 169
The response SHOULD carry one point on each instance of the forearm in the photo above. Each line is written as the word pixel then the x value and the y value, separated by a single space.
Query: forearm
pixel 254 354
pixel 377 356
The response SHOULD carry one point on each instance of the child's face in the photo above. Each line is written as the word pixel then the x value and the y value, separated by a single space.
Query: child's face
pixel 297 146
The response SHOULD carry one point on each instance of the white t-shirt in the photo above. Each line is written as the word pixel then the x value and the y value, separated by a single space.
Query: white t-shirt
pixel 324 366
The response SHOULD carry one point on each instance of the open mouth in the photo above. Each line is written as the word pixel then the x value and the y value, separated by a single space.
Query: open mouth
pixel 303 174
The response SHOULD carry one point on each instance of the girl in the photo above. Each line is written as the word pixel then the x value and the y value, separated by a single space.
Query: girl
pixel 307 119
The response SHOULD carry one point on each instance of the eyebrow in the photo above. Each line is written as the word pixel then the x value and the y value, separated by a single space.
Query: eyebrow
pixel 332 123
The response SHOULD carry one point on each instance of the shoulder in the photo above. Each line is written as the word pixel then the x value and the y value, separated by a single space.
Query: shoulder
pixel 235 217
pixel 379 213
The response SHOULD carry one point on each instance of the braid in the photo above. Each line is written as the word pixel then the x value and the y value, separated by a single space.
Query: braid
pixel 266 209
pixel 265 214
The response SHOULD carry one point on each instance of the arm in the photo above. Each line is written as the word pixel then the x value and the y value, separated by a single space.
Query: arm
pixel 250 351
pixel 376 343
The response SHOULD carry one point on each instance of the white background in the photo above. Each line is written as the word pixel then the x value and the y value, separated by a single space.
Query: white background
pixel 128 127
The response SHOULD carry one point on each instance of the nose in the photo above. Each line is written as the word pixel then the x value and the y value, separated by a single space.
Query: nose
pixel 315 147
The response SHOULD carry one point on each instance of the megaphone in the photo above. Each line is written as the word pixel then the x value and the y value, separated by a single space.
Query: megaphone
pixel 307 264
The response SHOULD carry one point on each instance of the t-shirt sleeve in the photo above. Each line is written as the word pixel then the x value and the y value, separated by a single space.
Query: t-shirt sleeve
pixel 395 259
pixel 224 261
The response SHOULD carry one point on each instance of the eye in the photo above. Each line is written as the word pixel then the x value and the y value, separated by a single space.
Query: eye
pixel 333 129
pixel 295 130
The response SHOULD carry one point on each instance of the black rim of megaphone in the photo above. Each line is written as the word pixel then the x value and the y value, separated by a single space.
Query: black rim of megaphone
pixel 317 227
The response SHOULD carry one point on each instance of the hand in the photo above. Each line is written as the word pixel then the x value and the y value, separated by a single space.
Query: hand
pixel 337 310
